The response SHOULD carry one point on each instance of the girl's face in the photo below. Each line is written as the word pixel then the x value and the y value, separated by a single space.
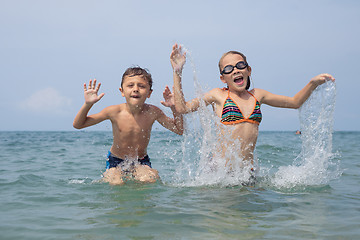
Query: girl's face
pixel 135 90
pixel 237 79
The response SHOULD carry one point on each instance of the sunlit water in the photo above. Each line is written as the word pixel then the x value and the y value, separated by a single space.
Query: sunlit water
pixel 49 190
pixel 307 188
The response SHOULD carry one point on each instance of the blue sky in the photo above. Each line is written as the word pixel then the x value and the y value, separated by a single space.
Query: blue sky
pixel 48 49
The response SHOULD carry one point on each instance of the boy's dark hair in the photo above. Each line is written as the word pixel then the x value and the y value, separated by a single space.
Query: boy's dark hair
pixel 137 71
pixel 238 53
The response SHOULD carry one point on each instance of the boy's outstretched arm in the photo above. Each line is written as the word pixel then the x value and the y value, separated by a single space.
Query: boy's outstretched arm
pixel 175 125
pixel 91 97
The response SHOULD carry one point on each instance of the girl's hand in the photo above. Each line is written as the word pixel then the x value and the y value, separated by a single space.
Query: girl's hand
pixel 91 93
pixel 322 78
pixel 177 58
pixel 168 97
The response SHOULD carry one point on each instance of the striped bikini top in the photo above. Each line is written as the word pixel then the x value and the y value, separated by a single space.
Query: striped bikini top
pixel 231 113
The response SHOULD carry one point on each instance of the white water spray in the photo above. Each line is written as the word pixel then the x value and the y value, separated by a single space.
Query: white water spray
pixel 197 144
pixel 314 165
pixel 200 164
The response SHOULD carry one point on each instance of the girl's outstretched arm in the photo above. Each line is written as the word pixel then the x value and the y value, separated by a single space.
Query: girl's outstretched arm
pixel 178 59
pixel 299 98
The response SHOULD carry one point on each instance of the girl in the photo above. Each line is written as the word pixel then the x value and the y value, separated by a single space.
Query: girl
pixel 237 107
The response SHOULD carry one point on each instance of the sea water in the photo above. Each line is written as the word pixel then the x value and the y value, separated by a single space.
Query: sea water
pixel 307 188
pixel 49 190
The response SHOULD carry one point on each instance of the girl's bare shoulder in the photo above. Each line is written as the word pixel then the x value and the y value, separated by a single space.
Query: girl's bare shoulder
pixel 260 94
pixel 216 95
pixel 218 91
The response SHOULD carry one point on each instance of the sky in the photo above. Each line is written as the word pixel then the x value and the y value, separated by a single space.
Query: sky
pixel 48 49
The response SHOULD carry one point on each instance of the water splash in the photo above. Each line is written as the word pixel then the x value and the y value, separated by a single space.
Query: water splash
pixel 196 146
pixel 315 164
pixel 80 181
pixel 200 165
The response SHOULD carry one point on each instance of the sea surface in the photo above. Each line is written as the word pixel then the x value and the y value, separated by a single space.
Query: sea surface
pixel 307 186
pixel 49 190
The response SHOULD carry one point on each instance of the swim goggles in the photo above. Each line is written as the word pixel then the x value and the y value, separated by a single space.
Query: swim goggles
pixel 229 68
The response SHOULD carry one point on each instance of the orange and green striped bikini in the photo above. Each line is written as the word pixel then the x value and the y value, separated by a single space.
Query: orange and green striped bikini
pixel 231 113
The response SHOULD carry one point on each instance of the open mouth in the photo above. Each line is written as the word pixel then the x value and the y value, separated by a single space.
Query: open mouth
pixel 239 80
pixel 135 96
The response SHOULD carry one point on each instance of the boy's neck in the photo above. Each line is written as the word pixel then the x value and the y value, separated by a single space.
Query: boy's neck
pixel 135 109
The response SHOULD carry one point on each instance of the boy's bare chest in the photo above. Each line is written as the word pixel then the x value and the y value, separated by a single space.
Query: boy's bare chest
pixel 128 122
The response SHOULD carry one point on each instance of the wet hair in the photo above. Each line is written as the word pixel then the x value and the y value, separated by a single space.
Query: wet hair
pixel 137 71
pixel 238 53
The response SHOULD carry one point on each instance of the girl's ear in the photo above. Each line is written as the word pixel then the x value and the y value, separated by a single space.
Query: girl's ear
pixel 122 92
pixel 249 70
pixel 222 78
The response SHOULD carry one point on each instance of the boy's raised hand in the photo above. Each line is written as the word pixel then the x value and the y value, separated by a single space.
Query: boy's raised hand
pixel 177 58
pixel 91 93
pixel 168 97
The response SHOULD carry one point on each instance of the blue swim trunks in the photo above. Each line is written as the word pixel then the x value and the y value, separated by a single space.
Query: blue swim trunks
pixel 115 161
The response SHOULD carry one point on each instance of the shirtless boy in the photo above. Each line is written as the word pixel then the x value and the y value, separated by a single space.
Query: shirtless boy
pixel 131 125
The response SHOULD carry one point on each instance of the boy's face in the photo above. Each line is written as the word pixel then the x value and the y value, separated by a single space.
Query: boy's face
pixel 135 89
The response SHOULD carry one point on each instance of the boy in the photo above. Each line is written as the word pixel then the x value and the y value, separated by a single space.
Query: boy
pixel 131 124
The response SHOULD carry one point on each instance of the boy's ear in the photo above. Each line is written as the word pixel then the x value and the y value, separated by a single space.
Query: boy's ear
pixel 122 93
pixel 150 93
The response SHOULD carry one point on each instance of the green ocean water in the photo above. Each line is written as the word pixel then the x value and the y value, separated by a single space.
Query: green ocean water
pixel 49 190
